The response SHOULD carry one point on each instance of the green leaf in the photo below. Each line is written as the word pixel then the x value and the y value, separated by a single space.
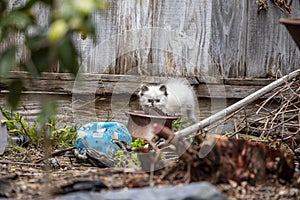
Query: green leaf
pixel 8 121
pixel 36 41
pixel 1 35
pixel 41 59
pixel 3 6
pixel 16 19
pixel 7 61
pixel 48 112
pixel 16 131
pixel 68 55
pixel 15 90
pixel 49 2
pixel 89 26
pixel 28 5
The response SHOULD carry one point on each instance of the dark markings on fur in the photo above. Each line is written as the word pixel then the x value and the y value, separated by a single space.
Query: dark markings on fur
pixel 163 88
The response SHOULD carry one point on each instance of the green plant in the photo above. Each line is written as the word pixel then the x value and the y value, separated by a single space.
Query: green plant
pixel 58 137
pixel 62 137
pixel 228 133
pixel 129 159
pixel 16 125
pixel 179 124
pixel 137 144
pixel 120 158
pixel 126 159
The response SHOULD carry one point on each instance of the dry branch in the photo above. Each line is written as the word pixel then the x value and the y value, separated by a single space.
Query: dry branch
pixel 231 109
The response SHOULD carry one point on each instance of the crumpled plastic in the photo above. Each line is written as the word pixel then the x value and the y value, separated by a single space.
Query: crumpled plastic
pixel 98 142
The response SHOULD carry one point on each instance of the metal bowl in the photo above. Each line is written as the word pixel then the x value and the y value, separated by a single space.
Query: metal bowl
pixel 140 125
pixel 293 27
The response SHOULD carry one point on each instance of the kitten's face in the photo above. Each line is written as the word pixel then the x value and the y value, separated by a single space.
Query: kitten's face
pixel 153 96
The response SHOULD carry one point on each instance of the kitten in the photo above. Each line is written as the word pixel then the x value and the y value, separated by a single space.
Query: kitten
pixel 175 97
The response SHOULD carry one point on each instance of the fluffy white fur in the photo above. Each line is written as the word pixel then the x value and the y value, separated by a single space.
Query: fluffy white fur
pixel 174 97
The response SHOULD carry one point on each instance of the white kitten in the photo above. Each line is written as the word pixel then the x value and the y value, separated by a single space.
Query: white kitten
pixel 174 97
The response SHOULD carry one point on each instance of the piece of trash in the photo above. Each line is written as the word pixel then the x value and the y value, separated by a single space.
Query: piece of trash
pixel 7 140
pixel 81 185
pixel 21 141
pixel 52 163
pixel 96 140
pixel 4 135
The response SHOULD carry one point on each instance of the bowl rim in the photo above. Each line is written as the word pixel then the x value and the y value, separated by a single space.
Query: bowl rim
pixel 291 20
pixel 141 113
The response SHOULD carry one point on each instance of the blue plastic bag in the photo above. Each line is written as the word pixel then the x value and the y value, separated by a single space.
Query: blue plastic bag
pixel 100 136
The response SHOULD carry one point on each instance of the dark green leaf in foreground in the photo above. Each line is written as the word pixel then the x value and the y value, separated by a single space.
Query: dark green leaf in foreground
pixel 15 90
pixel 16 19
pixel 48 112
pixel 49 2
pixel 7 61
pixel 67 55
pixel 28 5
pixel 3 6
pixel 36 41
pixel 41 59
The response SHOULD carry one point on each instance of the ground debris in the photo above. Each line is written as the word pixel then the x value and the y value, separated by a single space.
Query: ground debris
pixel 258 159
pixel 33 181
pixel 219 159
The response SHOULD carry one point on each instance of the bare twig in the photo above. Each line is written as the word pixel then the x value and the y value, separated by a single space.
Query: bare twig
pixel 20 163
pixel 231 109
pixel 55 153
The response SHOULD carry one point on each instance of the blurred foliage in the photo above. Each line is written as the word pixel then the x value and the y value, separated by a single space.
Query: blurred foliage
pixel 46 45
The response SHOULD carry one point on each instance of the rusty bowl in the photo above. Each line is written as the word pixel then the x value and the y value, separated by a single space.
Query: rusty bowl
pixel 140 125
pixel 293 27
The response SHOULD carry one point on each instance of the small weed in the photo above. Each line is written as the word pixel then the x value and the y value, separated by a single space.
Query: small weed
pixel 120 158
pixel 179 124
pixel 62 137
pixel 109 117
pixel 126 159
pixel 16 125
pixel 137 144
pixel 59 137
pixel 129 159
pixel 228 133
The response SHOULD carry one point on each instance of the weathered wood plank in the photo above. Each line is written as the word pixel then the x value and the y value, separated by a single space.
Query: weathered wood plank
pixel 122 45
pixel 182 50
pixel 81 110
pixel 221 39
pixel 134 78
pixel 247 82
pixel 229 37
pixel 100 84
pixel 104 84
pixel 269 46
pixel 150 38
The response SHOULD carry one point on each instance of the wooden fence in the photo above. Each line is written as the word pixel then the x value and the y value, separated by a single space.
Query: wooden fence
pixel 192 38
pixel 197 38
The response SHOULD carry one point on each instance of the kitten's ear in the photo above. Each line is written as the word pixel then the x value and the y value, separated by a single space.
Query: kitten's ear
pixel 144 88
pixel 163 88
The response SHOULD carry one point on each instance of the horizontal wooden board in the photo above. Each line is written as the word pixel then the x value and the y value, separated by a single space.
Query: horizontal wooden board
pixel 105 84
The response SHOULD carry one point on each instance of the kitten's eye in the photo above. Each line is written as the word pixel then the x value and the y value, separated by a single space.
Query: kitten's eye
pixel 150 100
pixel 157 100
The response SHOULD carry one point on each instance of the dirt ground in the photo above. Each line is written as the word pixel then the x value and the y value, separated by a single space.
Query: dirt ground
pixel 276 127
pixel 22 178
